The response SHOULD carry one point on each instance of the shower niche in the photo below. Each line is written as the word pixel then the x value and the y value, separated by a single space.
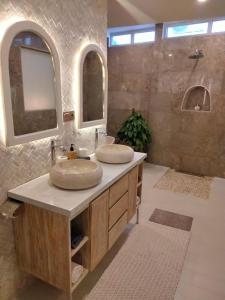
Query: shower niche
pixel 197 98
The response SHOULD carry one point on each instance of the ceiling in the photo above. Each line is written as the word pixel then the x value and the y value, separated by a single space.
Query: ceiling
pixel 133 12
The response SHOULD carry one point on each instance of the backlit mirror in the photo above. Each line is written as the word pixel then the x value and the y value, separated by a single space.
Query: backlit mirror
pixel 93 89
pixel 34 86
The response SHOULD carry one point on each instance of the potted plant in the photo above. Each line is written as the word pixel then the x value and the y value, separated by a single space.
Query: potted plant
pixel 135 132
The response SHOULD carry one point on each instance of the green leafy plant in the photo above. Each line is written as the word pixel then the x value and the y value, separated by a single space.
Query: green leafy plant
pixel 135 132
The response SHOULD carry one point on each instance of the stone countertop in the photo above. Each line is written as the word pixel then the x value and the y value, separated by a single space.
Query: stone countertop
pixel 40 191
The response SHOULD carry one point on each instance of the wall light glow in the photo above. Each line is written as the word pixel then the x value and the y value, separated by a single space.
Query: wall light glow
pixel 4 25
pixel 76 81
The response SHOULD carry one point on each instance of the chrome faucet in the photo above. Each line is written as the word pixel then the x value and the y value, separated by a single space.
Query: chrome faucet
pixel 55 144
pixel 97 131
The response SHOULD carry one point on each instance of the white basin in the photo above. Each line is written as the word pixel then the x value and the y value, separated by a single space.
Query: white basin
pixel 114 154
pixel 105 140
pixel 76 174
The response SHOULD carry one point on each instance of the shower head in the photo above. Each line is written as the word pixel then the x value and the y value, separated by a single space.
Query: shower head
pixel 197 55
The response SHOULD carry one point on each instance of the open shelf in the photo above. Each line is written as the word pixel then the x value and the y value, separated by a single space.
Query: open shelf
pixel 139 184
pixel 79 246
pixel 80 254
pixel 139 191
pixel 84 274
pixel 140 172
pixel 138 201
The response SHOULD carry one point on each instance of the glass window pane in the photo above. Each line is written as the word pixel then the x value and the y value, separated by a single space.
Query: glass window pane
pixel 143 37
pixel 124 39
pixel 218 26
pixel 185 30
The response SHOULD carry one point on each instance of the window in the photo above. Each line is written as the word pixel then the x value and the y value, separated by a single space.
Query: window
pixel 130 35
pixel 218 26
pixel 194 28
pixel 186 29
pixel 144 37
pixel 123 39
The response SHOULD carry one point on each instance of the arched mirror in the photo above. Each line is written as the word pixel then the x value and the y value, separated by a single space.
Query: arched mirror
pixel 93 88
pixel 31 84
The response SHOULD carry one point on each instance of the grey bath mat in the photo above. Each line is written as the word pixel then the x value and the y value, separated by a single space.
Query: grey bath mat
pixel 171 219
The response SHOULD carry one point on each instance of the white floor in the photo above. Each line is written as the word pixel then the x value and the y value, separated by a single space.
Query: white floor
pixel 203 276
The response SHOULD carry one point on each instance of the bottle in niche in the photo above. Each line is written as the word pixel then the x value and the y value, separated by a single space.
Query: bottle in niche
pixel 197 107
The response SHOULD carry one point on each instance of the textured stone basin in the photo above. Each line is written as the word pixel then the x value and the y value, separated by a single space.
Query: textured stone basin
pixel 76 174
pixel 114 154
pixel 103 140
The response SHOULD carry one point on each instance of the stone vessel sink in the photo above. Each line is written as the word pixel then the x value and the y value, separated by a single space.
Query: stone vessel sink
pixel 77 174
pixel 106 139
pixel 114 154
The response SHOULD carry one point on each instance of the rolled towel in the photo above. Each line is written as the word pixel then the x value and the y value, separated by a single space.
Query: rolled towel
pixel 76 272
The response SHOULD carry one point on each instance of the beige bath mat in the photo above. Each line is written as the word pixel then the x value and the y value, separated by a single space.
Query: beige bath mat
pixel 184 183
pixel 147 267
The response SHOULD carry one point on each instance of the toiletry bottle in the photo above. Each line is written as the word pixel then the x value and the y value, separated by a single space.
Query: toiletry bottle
pixel 72 154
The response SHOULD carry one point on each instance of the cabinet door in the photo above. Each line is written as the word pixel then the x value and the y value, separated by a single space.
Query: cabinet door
pixel 99 228
pixel 132 192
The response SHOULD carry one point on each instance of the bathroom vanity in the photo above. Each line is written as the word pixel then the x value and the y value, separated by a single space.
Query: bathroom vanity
pixel 43 222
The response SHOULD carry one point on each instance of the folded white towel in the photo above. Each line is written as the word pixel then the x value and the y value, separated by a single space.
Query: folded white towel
pixel 76 272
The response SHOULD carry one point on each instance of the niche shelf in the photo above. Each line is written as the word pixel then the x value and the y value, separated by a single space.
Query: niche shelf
pixel 197 98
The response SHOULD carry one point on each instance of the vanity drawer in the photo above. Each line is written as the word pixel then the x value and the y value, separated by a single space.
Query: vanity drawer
pixel 118 190
pixel 118 209
pixel 117 229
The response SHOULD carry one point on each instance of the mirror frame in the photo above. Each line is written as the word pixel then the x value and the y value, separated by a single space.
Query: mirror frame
pixel 79 108
pixel 9 138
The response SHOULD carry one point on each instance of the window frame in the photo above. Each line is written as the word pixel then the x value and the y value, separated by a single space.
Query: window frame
pixel 166 26
pixel 215 20
pixel 132 33
pixel 181 23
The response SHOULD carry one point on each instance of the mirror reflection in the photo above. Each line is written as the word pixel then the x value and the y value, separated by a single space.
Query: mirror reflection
pixel 93 87
pixel 32 84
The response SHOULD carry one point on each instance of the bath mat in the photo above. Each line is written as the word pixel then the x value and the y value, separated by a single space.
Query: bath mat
pixel 147 267
pixel 171 219
pixel 184 183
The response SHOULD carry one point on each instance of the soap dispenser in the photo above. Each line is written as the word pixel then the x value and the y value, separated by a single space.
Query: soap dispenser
pixel 72 154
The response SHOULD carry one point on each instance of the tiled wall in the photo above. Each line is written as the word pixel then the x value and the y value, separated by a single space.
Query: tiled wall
pixel 70 23
pixel 153 79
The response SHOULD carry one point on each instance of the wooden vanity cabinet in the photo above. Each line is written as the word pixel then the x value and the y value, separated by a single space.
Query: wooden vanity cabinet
pixel 43 237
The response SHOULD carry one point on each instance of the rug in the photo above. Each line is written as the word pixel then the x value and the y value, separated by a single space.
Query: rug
pixel 171 219
pixel 184 183
pixel 147 267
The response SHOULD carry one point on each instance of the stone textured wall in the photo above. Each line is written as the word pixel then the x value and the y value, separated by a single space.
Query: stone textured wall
pixel 70 23
pixel 153 79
